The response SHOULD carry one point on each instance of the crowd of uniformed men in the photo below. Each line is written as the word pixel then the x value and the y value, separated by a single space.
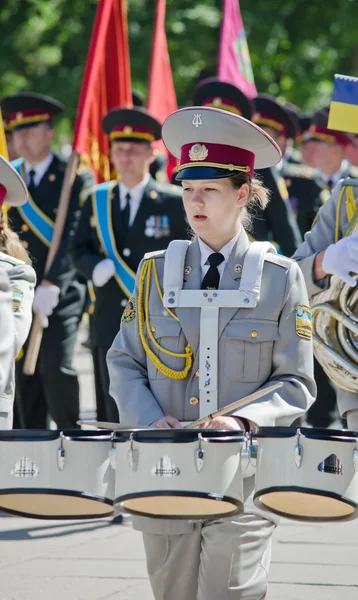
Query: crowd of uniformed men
pixel 109 229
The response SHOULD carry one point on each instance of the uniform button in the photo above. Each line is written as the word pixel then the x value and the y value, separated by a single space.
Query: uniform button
pixel 25 244
pixel 197 373
pixel 126 252
pixel 194 401
pixel 24 227
pixel 254 334
pixel 153 329
pixel 238 269
pixel 123 302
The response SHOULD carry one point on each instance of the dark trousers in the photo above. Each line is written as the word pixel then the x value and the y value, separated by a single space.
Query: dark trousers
pixel 323 412
pixel 106 407
pixel 54 387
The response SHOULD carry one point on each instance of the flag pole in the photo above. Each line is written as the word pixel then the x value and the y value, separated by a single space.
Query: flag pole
pixel 35 338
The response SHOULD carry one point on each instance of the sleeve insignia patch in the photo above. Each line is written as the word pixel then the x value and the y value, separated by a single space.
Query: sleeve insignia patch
pixel 17 296
pixel 303 321
pixel 129 312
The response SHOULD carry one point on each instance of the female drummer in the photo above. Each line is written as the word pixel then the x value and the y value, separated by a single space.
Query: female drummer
pixel 15 261
pixel 263 336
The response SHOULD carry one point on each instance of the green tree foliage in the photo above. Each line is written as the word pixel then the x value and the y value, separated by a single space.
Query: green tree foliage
pixel 295 47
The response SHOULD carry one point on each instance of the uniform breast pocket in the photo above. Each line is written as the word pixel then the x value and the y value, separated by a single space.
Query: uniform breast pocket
pixel 248 350
pixel 167 333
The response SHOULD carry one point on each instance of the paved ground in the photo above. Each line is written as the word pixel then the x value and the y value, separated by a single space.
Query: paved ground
pixel 94 560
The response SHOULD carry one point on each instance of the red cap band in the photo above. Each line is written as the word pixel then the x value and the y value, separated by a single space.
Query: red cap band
pixel 223 103
pixel 219 156
pixel 131 131
pixel 328 135
pixel 270 121
pixel 3 192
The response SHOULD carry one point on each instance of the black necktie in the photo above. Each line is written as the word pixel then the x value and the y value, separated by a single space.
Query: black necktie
pixel 31 185
pixel 126 214
pixel 330 184
pixel 212 277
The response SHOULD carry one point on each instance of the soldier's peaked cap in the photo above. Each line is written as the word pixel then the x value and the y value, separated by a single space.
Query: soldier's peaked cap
pixel 29 109
pixel 131 125
pixel 13 191
pixel 212 144
pixel 219 94
pixel 269 113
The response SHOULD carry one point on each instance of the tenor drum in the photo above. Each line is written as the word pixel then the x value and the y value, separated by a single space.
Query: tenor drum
pixel 179 473
pixel 56 475
pixel 307 474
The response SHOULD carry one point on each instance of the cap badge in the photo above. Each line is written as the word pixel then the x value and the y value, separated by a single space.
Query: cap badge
pixel 198 152
pixel 127 129
pixel 217 101
pixel 19 116
pixel 197 120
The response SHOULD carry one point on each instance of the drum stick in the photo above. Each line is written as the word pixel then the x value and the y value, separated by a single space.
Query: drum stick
pixel 238 404
pixel 108 425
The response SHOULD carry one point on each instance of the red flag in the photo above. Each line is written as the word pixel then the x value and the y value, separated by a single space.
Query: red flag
pixel 162 99
pixel 234 58
pixel 106 84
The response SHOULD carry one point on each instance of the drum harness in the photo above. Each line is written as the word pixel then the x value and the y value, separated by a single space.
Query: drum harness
pixel 209 302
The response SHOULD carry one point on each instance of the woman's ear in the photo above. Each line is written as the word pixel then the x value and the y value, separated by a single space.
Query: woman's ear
pixel 243 195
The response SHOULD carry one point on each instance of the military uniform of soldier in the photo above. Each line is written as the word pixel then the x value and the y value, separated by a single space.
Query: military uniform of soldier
pixel 59 296
pixel 120 221
pixel 276 222
pixel 165 368
pixel 14 265
pixel 330 151
pixel 329 250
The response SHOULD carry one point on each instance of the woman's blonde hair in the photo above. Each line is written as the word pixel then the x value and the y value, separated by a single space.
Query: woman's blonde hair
pixel 10 243
pixel 258 197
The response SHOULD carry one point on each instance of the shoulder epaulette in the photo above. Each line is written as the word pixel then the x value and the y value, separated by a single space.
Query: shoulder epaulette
pixel 279 259
pixel 349 181
pixel 11 260
pixel 155 254
pixel 297 170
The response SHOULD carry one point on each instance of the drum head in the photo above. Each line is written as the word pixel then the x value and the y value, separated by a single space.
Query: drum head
pixel 49 504
pixel 179 505
pixel 297 503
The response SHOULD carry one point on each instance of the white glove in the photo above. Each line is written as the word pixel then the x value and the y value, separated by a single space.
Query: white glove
pixel 46 299
pixel 341 259
pixel 103 272
pixel 352 419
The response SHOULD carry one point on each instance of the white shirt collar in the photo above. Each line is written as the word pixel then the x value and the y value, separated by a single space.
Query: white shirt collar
pixel 205 250
pixel 135 192
pixel 40 168
pixel 335 177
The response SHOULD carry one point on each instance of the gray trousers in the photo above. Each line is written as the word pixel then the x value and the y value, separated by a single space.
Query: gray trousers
pixel 224 559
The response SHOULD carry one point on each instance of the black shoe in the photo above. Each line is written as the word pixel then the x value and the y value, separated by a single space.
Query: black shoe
pixel 117 519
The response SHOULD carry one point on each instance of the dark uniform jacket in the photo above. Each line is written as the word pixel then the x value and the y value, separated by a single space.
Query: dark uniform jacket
pixel 307 193
pixel 277 222
pixel 87 252
pixel 62 272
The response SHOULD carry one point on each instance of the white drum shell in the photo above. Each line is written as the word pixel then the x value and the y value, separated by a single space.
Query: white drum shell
pixel 279 467
pixel 86 476
pixel 220 476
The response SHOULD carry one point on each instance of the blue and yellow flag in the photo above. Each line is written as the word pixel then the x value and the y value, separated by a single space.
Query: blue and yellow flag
pixel 3 147
pixel 343 113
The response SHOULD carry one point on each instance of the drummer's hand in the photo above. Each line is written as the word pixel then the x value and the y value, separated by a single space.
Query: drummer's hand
pixel 224 423
pixel 167 423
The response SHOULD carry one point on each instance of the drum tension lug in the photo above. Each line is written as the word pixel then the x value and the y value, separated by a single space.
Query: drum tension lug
pixel 133 456
pixel 355 460
pixel 199 455
pixel 112 453
pixel 298 450
pixel 61 454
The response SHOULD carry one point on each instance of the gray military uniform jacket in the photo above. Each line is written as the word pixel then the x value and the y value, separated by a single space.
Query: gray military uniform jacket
pixel 22 282
pixel 319 238
pixel 7 335
pixel 256 347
